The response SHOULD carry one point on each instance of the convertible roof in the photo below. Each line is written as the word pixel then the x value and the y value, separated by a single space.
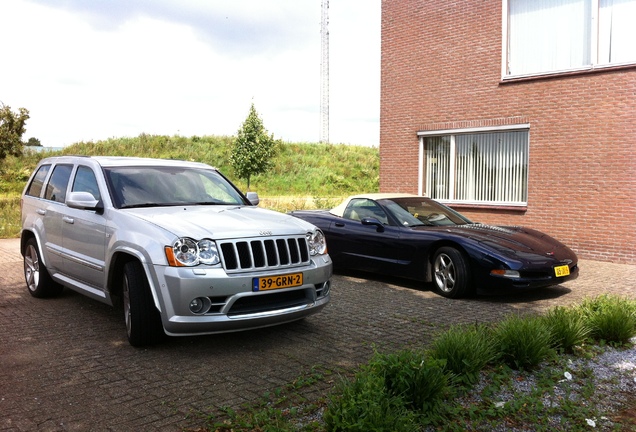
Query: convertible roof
pixel 339 210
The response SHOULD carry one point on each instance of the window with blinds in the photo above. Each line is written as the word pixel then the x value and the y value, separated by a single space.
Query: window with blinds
pixel 560 35
pixel 477 168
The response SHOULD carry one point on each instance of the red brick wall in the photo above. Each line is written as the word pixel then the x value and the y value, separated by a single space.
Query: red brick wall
pixel 441 69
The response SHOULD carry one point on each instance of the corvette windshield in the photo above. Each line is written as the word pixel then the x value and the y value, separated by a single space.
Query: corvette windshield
pixel 155 186
pixel 422 211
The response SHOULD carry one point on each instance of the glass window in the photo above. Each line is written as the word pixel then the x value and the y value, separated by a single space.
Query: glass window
pixel 35 188
pixel 359 209
pixel 85 181
pixel 477 168
pixel 149 186
pixel 56 188
pixel 559 35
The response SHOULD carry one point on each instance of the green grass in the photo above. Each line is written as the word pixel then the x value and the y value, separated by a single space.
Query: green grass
pixel 304 175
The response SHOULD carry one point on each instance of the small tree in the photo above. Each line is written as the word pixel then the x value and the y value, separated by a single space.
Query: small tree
pixel 12 127
pixel 34 142
pixel 254 149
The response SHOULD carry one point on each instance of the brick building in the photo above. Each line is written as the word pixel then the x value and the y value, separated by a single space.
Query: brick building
pixel 518 112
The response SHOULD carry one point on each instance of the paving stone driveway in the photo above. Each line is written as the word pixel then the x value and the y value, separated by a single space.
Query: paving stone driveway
pixel 65 364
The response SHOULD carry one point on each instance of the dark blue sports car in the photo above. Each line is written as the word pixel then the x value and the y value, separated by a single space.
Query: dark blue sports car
pixel 418 238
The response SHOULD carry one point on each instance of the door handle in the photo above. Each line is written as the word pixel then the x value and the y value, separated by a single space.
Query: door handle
pixel 41 212
pixel 340 224
pixel 68 220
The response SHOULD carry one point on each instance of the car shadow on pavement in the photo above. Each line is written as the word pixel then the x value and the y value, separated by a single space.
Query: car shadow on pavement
pixel 508 296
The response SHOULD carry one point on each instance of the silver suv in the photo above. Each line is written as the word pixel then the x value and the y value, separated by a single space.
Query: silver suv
pixel 182 248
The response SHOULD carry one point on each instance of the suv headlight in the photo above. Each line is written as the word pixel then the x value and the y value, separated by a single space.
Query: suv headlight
pixel 188 252
pixel 317 243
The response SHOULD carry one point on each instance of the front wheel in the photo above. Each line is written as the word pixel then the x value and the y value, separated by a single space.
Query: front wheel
pixel 451 273
pixel 143 322
pixel 37 277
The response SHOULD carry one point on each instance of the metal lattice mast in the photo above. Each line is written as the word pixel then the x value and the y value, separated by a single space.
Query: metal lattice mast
pixel 324 73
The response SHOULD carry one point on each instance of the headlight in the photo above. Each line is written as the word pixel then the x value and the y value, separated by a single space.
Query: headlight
pixel 317 243
pixel 189 252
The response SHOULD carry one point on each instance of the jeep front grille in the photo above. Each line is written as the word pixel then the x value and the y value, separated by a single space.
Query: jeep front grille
pixel 258 254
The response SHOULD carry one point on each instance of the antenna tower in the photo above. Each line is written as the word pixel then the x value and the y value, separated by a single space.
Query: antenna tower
pixel 324 73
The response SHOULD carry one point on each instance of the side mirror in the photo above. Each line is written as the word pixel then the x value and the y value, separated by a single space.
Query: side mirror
pixel 373 221
pixel 82 201
pixel 253 198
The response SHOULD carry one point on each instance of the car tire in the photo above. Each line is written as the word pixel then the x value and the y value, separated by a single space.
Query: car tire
pixel 36 275
pixel 451 274
pixel 143 322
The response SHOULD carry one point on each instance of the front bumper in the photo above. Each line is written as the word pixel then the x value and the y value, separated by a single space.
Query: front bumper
pixel 233 305
pixel 495 284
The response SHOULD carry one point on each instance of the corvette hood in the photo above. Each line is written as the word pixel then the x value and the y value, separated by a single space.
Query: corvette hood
pixel 221 222
pixel 523 243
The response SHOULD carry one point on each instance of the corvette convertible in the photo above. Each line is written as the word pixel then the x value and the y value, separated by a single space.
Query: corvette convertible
pixel 418 238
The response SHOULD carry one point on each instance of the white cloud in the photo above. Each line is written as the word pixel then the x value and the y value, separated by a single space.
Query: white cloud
pixel 100 69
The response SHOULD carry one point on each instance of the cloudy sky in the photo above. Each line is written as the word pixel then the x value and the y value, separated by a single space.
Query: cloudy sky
pixel 91 70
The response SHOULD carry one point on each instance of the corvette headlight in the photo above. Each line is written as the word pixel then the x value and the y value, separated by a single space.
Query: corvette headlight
pixel 317 243
pixel 188 252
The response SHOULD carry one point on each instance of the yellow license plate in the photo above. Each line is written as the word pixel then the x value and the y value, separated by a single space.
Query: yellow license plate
pixel 561 271
pixel 277 282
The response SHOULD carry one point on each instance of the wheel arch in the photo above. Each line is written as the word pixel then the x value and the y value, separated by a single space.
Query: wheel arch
pixel 116 272
pixel 432 250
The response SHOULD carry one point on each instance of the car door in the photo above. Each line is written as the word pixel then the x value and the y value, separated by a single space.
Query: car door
pixel 371 247
pixel 52 211
pixel 84 236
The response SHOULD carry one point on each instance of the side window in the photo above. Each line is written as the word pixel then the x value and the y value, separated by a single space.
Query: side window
pixel 359 209
pixel 35 188
pixel 85 181
pixel 56 188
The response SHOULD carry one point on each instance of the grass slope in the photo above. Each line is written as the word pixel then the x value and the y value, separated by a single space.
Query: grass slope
pixel 320 172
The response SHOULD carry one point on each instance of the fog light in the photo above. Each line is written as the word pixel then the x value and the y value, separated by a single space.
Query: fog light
pixel 200 305
pixel 326 288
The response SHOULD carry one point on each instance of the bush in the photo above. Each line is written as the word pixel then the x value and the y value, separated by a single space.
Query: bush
pixel 568 328
pixel 466 351
pixel 523 343
pixel 420 381
pixel 611 319
pixel 363 404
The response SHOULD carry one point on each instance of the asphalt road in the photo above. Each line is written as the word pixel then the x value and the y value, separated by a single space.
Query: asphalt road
pixel 65 363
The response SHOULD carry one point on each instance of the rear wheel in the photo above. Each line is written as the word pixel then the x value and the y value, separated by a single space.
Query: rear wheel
pixel 37 277
pixel 143 322
pixel 451 273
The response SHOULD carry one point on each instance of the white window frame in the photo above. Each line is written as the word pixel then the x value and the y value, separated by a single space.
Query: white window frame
pixel 454 132
pixel 595 63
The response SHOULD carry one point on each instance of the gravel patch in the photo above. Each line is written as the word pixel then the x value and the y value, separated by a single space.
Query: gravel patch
pixel 612 372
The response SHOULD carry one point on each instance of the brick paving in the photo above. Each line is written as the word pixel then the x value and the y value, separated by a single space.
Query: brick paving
pixel 65 364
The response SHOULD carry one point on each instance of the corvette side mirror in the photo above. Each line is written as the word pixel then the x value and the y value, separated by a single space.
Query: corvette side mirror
pixel 373 221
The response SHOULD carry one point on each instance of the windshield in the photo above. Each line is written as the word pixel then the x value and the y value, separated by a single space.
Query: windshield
pixel 422 211
pixel 150 186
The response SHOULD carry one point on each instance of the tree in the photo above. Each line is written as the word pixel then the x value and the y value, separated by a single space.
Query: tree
pixel 34 142
pixel 12 127
pixel 254 150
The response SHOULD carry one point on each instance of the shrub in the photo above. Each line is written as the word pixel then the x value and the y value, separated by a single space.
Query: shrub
pixel 466 351
pixel 568 328
pixel 523 342
pixel 363 404
pixel 610 318
pixel 422 382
